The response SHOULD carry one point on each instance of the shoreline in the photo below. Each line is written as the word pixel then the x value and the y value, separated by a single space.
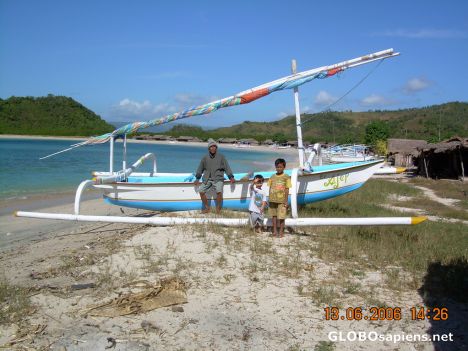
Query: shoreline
pixel 261 148
pixel 31 201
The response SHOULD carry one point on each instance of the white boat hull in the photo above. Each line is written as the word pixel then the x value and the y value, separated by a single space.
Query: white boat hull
pixel 178 192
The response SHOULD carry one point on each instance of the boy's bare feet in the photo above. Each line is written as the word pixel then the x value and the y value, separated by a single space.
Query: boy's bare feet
pixel 206 210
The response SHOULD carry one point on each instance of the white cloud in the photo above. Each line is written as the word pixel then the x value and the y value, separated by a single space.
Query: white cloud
pixel 130 110
pixel 416 84
pixel 144 108
pixel 424 33
pixel 375 100
pixel 323 98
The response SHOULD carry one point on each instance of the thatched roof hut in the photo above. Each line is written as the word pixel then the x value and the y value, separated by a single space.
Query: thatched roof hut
pixel 142 137
pixel 404 152
pixel 227 141
pixel 159 137
pixel 248 141
pixel 447 159
pixel 185 138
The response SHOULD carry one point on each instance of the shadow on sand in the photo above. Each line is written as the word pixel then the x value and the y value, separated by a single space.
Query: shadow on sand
pixel 446 285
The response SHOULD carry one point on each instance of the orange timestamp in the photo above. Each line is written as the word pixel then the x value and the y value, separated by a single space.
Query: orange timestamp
pixel 384 313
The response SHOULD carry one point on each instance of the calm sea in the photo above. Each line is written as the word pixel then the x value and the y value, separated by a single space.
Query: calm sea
pixel 23 174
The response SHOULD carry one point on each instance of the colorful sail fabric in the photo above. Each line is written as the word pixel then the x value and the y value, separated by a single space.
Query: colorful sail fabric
pixel 238 99
pixel 244 97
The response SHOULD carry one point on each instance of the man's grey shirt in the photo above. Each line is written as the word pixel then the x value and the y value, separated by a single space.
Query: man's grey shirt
pixel 213 168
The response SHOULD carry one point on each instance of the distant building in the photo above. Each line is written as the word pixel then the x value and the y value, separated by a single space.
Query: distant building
pixel 185 138
pixel 142 137
pixel 404 152
pixel 227 140
pixel 249 141
pixel 160 137
pixel 447 159
pixel 268 142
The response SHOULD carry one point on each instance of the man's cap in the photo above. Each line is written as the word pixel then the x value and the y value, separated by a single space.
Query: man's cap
pixel 211 143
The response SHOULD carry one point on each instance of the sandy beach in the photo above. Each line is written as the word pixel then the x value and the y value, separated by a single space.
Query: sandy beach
pixel 242 291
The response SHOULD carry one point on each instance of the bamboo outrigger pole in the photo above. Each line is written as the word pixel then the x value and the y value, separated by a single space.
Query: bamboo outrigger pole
pixel 229 222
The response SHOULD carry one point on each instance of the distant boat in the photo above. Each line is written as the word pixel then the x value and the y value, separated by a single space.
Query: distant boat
pixel 348 153
pixel 243 145
pixel 283 146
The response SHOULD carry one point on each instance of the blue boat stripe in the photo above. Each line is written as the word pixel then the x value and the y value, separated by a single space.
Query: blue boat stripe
pixel 234 204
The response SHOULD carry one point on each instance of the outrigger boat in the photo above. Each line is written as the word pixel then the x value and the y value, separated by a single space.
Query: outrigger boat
pixel 357 153
pixel 177 192
pixel 349 153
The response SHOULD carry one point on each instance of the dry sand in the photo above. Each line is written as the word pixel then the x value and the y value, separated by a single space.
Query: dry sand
pixel 244 291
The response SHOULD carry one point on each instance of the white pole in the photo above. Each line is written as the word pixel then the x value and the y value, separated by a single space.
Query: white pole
pixel 233 222
pixel 111 155
pixel 300 146
pixel 124 161
pixel 294 184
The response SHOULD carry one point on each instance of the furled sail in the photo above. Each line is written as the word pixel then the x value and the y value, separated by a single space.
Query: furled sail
pixel 244 97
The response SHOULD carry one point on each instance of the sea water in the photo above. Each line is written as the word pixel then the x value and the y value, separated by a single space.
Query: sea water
pixel 22 173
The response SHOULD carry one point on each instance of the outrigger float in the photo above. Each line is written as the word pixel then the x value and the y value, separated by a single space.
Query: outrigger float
pixel 177 192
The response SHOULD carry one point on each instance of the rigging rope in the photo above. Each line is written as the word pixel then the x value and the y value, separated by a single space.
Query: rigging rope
pixel 326 109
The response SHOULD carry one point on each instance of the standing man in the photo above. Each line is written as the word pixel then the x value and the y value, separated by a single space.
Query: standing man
pixel 213 166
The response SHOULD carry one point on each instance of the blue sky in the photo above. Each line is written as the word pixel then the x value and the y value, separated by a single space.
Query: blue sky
pixel 138 60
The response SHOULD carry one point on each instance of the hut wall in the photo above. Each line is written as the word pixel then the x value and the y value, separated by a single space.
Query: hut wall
pixel 446 164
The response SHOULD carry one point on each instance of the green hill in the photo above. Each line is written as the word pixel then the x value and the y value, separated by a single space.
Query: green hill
pixel 63 116
pixel 344 127
pixel 51 115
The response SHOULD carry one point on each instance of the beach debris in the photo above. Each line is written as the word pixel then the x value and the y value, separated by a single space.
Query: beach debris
pixel 26 333
pixel 147 326
pixel 177 309
pixel 112 342
pixel 182 326
pixel 167 292
pixel 82 286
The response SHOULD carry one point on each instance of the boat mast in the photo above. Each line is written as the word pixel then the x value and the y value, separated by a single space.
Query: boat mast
pixel 300 146
pixel 111 155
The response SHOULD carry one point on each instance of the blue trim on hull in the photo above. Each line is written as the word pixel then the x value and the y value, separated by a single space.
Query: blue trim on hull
pixel 143 180
pixel 234 204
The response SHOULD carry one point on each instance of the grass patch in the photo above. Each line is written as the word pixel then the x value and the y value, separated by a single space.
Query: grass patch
pixel 453 189
pixel 324 346
pixel 325 294
pixel 14 302
pixel 364 202
pixel 413 248
pixel 433 208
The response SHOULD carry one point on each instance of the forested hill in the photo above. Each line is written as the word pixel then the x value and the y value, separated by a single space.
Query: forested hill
pixel 344 127
pixel 50 115
pixel 63 116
